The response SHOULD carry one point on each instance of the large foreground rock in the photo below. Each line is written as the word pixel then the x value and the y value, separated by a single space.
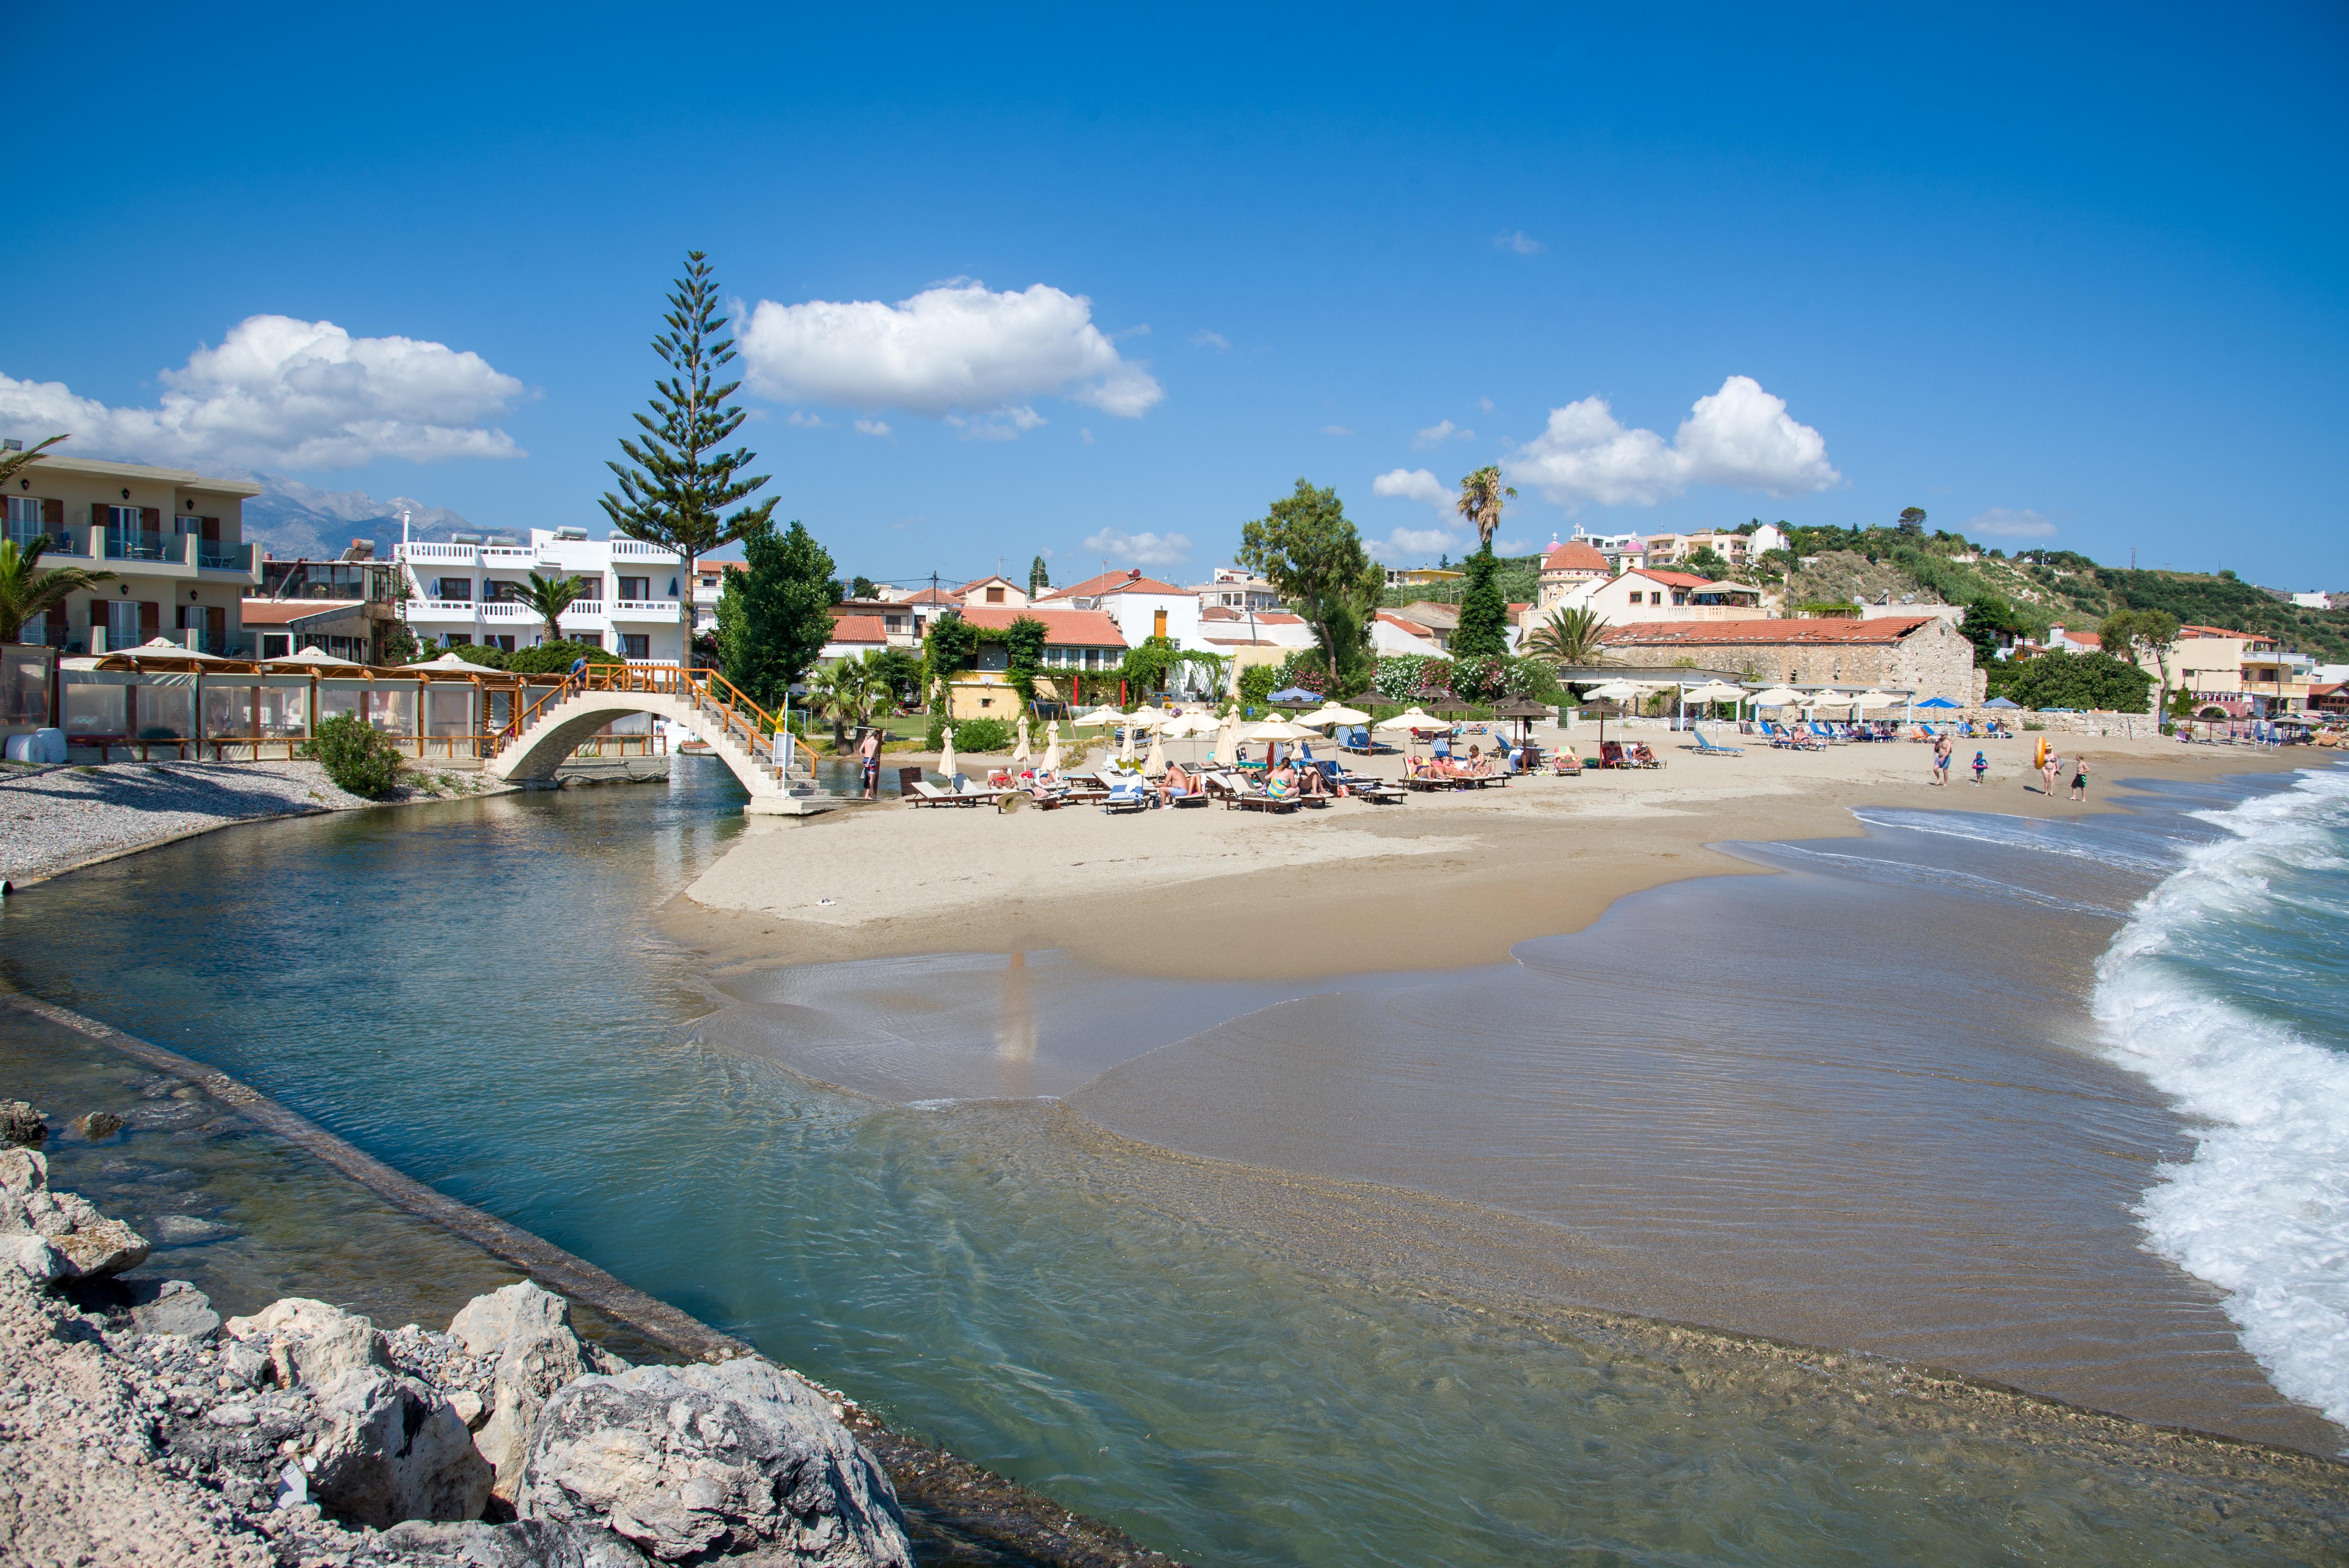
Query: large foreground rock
pixel 740 1459
pixel 519 1543
pixel 394 1449
pixel 525 1333
pixel 313 1341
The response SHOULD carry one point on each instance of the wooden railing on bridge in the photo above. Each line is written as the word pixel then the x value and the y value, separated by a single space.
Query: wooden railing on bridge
pixel 711 695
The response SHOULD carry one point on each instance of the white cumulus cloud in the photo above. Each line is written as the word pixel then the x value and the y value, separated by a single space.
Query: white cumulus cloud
pixel 289 394
pixel 957 351
pixel 1740 436
pixel 1414 484
pixel 1443 430
pixel 1407 545
pixel 1142 548
pixel 2000 523
pixel 872 428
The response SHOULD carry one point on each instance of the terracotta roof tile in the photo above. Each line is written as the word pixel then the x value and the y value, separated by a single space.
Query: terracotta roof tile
pixel 859 629
pixel 1116 582
pixel 1062 628
pixel 1574 555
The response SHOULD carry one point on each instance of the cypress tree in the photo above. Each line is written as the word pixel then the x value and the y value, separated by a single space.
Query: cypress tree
pixel 679 485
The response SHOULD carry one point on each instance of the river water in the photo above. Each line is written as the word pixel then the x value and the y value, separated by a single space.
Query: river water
pixel 1302 1275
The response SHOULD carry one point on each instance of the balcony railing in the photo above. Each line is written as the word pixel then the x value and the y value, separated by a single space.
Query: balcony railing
pixel 418 551
pixel 146 547
pixel 507 610
pixel 442 609
pixel 508 555
pixel 584 608
pixel 219 557
pixel 638 549
pixel 645 609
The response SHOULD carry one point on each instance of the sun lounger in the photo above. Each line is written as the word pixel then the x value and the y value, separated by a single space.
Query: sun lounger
pixel 1704 747
pixel 1129 794
pixel 1362 743
pixel 1611 755
pixel 922 792
pixel 1568 763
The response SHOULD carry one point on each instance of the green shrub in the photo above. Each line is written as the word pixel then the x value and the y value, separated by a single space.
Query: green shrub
pixel 982 735
pixel 1257 682
pixel 356 756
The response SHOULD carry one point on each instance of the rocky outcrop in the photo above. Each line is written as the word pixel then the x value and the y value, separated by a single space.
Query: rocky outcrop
pixel 693 1462
pixel 20 1123
pixel 523 1333
pixel 309 1341
pixel 91 1244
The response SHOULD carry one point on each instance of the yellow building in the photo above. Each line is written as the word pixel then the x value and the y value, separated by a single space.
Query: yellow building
pixel 173 540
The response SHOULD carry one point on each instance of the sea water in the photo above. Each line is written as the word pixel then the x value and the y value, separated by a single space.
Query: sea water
pixel 2228 990
pixel 1333 1307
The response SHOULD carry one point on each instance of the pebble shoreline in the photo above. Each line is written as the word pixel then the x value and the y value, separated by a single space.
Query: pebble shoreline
pixel 55 818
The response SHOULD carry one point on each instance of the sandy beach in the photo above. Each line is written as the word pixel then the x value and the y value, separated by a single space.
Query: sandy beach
pixel 1441 880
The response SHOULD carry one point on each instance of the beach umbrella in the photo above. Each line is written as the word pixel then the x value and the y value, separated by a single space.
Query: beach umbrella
pixel 1776 696
pixel 947 757
pixel 2002 702
pixel 1098 716
pixel 1331 713
pixel 1052 747
pixel 1227 739
pixel 1125 744
pixel 1148 715
pixel 1714 691
pixel 1019 747
pixel 314 659
pixel 1156 763
pixel 1274 730
pixel 1613 691
pixel 1293 694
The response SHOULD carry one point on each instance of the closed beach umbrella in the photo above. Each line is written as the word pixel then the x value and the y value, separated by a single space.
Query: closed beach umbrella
pixel 1156 763
pixel 1125 745
pixel 947 757
pixel 1052 747
pixel 1227 740
pixel 1019 748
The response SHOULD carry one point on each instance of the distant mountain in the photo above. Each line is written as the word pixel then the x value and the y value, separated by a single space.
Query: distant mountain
pixel 294 521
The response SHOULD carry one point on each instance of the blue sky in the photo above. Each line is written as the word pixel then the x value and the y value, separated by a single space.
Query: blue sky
pixel 2073 275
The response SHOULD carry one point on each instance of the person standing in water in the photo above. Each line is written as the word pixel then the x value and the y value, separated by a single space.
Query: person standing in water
pixel 2080 779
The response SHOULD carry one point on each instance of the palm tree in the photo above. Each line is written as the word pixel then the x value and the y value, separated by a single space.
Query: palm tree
pixel 26 591
pixel 1482 495
pixel 550 596
pixel 11 461
pixel 1571 636
pixel 844 693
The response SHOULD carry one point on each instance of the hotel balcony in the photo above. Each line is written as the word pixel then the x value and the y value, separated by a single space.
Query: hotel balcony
pixel 440 609
pixel 645 609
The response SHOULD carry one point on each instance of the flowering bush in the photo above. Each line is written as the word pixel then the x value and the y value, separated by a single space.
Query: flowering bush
pixel 1306 670
pixel 1398 676
pixel 1481 677
pixel 1534 678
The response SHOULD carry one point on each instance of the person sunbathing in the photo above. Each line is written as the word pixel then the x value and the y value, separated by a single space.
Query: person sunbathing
pixel 1281 782
pixel 1314 784
pixel 1479 764
pixel 1642 755
pixel 1176 785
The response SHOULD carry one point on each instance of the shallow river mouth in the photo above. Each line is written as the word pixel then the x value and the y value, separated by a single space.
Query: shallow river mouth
pixel 1250 1307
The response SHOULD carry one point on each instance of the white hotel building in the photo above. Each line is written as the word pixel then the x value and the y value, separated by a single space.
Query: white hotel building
pixel 469 592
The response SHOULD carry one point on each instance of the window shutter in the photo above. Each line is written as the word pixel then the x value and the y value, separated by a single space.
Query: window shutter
pixel 100 515
pixel 150 519
pixel 53 518
pixel 211 530
pixel 150 620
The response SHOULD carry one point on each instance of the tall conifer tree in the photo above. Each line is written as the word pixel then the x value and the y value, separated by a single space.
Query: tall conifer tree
pixel 676 492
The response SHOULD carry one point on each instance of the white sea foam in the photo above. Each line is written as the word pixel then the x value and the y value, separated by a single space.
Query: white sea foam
pixel 2261 1208
pixel 2044 836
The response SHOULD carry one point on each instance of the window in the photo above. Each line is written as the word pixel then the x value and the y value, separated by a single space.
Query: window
pixel 636 588
pixel 24 522
pixel 273 644
pixel 587 639
pixel 496 591
pixel 636 644
pixel 995 595
pixel 459 589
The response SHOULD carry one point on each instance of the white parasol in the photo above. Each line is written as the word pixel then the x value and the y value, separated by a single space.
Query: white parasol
pixel 1410 718
pixel 1052 747
pixel 1156 763
pixel 1227 740
pixel 1019 747
pixel 1776 696
pixel 947 757
pixel 1331 713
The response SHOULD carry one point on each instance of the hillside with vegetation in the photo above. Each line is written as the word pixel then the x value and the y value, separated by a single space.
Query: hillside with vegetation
pixel 2036 588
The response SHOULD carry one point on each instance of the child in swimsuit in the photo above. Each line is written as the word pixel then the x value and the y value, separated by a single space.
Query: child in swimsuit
pixel 1982 765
